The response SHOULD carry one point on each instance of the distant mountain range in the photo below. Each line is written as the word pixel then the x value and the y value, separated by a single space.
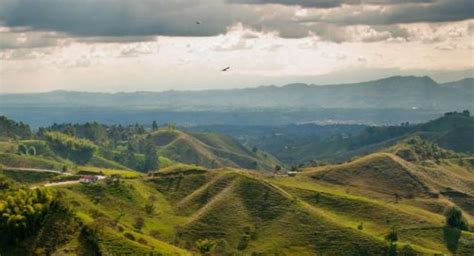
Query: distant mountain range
pixel 396 92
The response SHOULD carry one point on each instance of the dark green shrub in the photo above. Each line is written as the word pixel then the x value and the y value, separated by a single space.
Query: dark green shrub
pixel 129 236
pixel 22 149
pixel 150 208
pixel 139 223
pixel 455 219
pixel 205 245
pixel 142 241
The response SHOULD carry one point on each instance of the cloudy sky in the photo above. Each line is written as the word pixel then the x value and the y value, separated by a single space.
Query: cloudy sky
pixel 155 45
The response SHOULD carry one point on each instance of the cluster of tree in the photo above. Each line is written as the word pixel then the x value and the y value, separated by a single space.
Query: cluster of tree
pixel 143 158
pixel 77 150
pixel 377 134
pixel 98 133
pixel 428 150
pixel 12 129
pixel 22 212
pixel 464 113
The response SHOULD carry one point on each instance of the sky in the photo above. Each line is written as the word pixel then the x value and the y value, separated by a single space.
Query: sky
pixel 157 45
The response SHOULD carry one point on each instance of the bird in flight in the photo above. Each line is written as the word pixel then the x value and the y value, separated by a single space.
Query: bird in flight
pixel 198 22
pixel 225 69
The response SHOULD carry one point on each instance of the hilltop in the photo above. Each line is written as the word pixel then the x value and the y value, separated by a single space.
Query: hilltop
pixel 127 148
pixel 210 150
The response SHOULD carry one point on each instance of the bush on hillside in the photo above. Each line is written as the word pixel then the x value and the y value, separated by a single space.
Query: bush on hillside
pixel 205 245
pixel 22 149
pixel 129 236
pixel 455 219
pixel 455 222
pixel 139 223
pixel 407 154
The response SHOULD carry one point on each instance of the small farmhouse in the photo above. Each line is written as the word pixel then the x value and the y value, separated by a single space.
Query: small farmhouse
pixel 88 179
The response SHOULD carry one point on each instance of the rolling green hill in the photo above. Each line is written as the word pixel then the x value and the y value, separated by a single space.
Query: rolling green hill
pixel 245 212
pixel 208 192
pixel 209 150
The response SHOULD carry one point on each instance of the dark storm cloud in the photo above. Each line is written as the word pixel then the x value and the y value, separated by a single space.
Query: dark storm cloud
pixel 117 17
pixel 327 3
pixel 110 20
pixel 439 11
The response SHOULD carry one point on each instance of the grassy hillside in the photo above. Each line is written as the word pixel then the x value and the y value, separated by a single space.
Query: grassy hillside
pixel 209 150
pixel 245 212
pixel 205 194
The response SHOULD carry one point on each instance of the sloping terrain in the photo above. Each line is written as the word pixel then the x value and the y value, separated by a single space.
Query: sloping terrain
pixel 209 150
pixel 251 215
pixel 343 209
pixel 380 173
pixel 459 139
pixel 412 168
pixel 245 212
pixel 454 131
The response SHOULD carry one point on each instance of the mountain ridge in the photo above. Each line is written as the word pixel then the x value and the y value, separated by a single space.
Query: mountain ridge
pixel 390 93
pixel 295 84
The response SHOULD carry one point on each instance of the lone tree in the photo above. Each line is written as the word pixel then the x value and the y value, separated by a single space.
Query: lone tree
pixel 154 126
pixel 455 223
pixel 455 219
pixel 151 157
pixel 392 238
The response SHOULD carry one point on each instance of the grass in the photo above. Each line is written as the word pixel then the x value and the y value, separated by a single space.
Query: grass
pixel 235 206
pixel 29 177
pixel 210 150
pixel 128 198
pixel 7 147
pixel 24 161
pixel 247 212
pixel 99 161
pixel 91 170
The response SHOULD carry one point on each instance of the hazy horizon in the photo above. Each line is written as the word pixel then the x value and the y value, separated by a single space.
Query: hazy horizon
pixel 440 81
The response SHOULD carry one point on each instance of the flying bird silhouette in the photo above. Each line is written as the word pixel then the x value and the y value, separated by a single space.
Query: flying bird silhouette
pixel 198 22
pixel 225 69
